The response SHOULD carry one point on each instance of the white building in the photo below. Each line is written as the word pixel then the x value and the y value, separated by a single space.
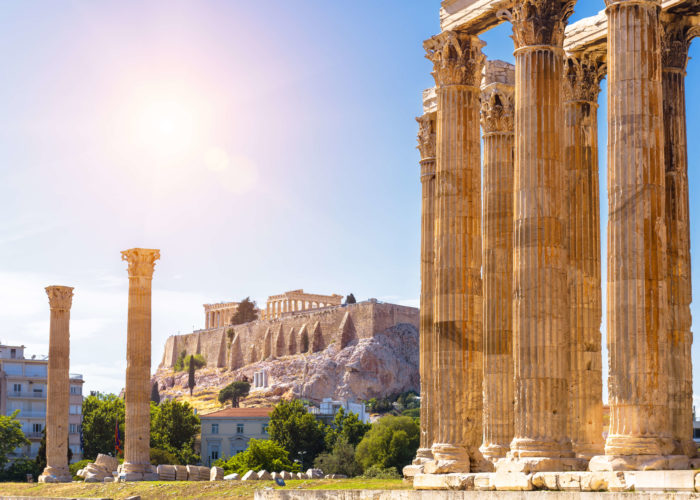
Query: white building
pixel 227 432
pixel 328 408
pixel 23 387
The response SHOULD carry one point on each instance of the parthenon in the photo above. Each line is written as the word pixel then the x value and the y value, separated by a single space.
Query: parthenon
pixel 511 363
pixel 296 301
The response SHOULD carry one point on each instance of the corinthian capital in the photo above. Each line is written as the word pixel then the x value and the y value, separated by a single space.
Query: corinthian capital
pixel 676 36
pixel 497 109
pixel 141 261
pixel 426 136
pixel 582 77
pixel 60 297
pixel 457 58
pixel 540 22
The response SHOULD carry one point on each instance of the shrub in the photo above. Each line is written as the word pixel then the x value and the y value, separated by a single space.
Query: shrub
pixel 74 468
pixel 18 470
pixel 391 442
pixel 341 460
pixel 379 472
pixel 261 454
pixel 163 457
pixel 183 362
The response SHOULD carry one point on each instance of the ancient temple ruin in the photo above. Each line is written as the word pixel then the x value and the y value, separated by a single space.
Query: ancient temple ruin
pixel 511 304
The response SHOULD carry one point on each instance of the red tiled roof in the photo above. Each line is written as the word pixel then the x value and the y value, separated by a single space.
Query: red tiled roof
pixel 239 413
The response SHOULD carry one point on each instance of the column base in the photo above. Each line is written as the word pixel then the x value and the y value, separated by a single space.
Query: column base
pixel 615 463
pixel 494 452
pixel 588 451
pixel 538 448
pixel 55 475
pixel 530 465
pixel 636 445
pixel 423 455
pixel 687 447
pixel 447 459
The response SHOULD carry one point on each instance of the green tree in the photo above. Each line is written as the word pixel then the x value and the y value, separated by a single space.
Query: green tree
pixel 183 362
pixel 408 401
pixel 174 428
pixel 297 431
pixel 347 426
pixel 162 457
pixel 391 442
pixel 246 312
pixel 155 395
pixel 261 454
pixel 190 378
pixel 340 460
pixel 11 436
pixel 234 392
pixel 379 405
pixel 100 414
pixel 350 299
pixel 17 471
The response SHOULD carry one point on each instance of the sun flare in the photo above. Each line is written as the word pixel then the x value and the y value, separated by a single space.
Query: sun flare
pixel 166 127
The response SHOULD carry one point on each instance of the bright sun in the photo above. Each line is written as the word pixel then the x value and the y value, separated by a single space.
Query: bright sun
pixel 166 128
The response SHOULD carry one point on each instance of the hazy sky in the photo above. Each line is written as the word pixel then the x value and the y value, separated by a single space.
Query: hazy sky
pixel 261 146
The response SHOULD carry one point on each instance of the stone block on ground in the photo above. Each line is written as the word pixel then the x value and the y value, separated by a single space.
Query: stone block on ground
pixel 314 474
pixel 108 480
pixel 106 462
pixel 571 481
pixel 454 481
pixel 546 481
pixel 93 478
pixel 150 476
pixel 512 481
pixel 263 475
pixel 180 472
pixel 661 480
pixel 482 482
pixel 251 475
pixel 232 477
pixel 411 471
pixel 216 474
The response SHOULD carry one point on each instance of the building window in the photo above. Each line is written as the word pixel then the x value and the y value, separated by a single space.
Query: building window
pixel 214 428
pixel 75 409
pixel 696 433
pixel 13 353
pixel 264 428
pixel 36 428
pixel 239 429
pixel 75 389
pixel 73 428
pixel 214 452
pixel 17 388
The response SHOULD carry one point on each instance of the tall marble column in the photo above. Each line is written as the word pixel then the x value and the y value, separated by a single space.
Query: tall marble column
pixel 639 433
pixel 137 447
pixel 676 37
pixel 426 146
pixel 458 62
pixel 497 124
pixel 582 76
pixel 58 393
pixel 540 267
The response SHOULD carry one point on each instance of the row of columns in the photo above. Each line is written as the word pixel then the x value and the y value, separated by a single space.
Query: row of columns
pixel 529 350
pixel 276 307
pixel 215 319
pixel 137 463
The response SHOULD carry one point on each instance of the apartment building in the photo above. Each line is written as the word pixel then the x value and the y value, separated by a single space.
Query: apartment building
pixel 23 387
pixel 227 432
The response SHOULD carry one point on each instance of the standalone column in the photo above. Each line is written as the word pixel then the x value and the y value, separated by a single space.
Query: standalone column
pixel 675 44
pixel 137 448
pixel 497 115
pixel 637 312
pixel 581 88
pixel 540 316
pixel 426 145
pixel 60 300
pixel 458 62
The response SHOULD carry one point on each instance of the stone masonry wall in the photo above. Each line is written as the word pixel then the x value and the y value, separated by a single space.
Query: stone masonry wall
pixel 364 320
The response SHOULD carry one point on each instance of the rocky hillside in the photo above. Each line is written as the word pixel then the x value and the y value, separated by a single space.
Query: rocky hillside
pixel 376 367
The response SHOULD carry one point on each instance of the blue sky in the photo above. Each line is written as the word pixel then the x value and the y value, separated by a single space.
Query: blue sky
pixel 262 146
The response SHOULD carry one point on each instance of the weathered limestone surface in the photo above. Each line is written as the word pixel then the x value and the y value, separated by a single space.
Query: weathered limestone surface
pixel 58 393
pixel 458 61
pixel 426 145
pixel 497 123
pixel 540 319
pixel 137 448
pixel 676 37
pixel 637 267
pixel 581 88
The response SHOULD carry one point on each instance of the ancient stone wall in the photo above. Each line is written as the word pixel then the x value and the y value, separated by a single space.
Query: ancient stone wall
pixel 340 324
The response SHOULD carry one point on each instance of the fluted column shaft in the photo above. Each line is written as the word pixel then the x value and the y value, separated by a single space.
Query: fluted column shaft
pixel 497 115
pixel 637 297
pixel 458 297
pixel 58 393
pixel 675 45
pixel 581 89
pixel 138 360
pixel 426 144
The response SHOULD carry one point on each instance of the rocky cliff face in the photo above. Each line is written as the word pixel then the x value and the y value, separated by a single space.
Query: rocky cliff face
pixel 382 365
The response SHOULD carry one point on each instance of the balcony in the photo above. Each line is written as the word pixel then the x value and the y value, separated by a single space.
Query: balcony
pixel 26 394
pixel 33 435
pixel 75 376
pixel 31 414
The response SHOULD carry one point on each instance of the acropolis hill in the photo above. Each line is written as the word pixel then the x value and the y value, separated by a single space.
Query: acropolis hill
pixel 355 351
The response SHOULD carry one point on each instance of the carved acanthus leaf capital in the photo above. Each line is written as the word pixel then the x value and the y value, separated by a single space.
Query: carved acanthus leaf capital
pixel 540 22
pixel 582 77
pixel 676 36
pixel 426 136
pixel 142 261
pixel 60 297
pixel 457 58
pixel 498 108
